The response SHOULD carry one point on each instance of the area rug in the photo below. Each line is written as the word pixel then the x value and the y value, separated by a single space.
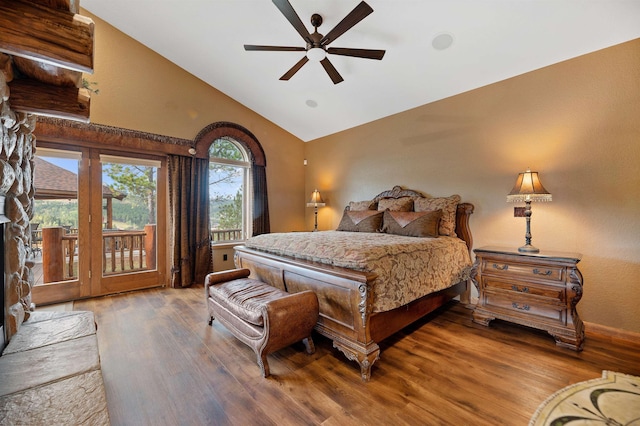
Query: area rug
pixel 612 400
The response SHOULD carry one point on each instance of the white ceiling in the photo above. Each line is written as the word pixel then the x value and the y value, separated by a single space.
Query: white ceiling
pixel 493 40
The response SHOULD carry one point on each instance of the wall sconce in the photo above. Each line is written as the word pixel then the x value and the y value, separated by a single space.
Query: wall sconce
pixel 315 201
pixel 192 151
pixel 528 188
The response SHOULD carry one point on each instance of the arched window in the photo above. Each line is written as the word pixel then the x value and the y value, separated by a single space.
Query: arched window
pixel 256 203
pixel 230 200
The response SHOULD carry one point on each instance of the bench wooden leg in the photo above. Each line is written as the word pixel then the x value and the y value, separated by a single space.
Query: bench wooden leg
pixel 308 344
pixel 263 364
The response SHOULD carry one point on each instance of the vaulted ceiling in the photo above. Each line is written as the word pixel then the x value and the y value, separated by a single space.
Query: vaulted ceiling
pixel 490 40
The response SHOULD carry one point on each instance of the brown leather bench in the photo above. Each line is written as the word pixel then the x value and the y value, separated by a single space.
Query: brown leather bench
pixel 265 318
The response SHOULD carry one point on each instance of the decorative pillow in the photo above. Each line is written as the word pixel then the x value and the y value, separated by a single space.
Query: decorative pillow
pixel 361 221
pixel 356 206
pixel 412 224
pixel 403 204
pixel 449 206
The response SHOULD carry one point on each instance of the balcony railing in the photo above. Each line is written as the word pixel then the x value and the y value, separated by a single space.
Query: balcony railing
pixel 221 235
pixel 122 252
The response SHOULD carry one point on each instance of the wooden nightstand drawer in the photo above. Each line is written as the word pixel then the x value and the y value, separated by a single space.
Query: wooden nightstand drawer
pixel 553 293
pixel 545 272
pixel 549 312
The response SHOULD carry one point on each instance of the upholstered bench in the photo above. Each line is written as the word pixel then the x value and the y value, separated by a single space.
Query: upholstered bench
pixel 263 317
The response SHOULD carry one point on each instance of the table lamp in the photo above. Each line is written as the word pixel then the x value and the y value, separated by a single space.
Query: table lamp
pixel 528 188
pixel 315 202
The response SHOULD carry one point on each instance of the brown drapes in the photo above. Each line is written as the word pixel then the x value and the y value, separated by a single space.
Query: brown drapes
pixel 260 201
pixel 189 221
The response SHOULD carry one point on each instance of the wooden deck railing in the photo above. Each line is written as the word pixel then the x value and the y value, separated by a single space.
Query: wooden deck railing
pixel 220 235
pixel 122 252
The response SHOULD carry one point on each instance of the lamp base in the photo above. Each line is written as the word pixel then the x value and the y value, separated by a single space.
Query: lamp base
pixel 528 249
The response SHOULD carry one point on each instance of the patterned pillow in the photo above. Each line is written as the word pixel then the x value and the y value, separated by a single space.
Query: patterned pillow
pixel 449 206
pixel 361 221
pixel 403 204
pixel 412 224
pixel 356 206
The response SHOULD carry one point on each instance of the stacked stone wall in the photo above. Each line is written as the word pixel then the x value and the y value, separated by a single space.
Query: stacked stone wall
pixel 17 148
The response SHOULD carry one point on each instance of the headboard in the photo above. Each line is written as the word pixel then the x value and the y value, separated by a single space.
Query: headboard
pixel 463 212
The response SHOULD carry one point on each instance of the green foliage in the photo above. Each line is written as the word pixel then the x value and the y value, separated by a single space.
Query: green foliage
pixel 130 213
pixel 50 213
pixel 87 85
pixel 229 214
pixel 138 182
pixel 224 148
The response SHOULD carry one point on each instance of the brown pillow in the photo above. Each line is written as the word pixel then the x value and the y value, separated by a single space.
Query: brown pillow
pixel 412 224
pixel 448 205
pixel 403 204
pixel 356 206
pixel 361 221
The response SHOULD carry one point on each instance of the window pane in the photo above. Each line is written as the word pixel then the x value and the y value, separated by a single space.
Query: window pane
pixel 129 191
pixel 227 198
pixel 225 148
pixel 226 201
pixel 55 216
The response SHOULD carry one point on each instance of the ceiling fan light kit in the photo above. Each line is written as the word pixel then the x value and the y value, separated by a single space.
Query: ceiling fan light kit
pixel 316 44
pixel 316 54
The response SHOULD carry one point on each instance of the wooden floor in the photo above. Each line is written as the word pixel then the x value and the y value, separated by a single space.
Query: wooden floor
pixel 163 365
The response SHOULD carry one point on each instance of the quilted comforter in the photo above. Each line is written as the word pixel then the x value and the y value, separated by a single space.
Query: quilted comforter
pixel 407 267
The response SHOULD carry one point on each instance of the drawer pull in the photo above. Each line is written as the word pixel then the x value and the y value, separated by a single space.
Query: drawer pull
pixel 520 290
pixel 500 267
pixel 539 272
pixel 522 308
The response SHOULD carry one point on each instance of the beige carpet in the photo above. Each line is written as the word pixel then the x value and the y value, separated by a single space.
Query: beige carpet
pixel 613 400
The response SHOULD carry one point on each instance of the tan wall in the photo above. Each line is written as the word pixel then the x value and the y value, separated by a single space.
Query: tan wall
pixel 577 123
pixel 140 90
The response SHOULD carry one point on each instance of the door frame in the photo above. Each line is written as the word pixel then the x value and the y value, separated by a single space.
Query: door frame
pixel 90 282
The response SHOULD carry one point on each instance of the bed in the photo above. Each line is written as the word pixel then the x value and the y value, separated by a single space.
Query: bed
pixel 372 284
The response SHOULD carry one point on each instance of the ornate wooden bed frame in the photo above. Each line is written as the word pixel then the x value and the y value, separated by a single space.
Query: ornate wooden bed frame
pixel 345 298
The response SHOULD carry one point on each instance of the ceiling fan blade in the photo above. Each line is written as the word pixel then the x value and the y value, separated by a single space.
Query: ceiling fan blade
pixel 295 68
pixel 360 12
pixel 358 53
pixel 331 70
pixel 274 48
pixel 287 10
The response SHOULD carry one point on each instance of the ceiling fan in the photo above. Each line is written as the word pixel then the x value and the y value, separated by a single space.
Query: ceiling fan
pixel 316 47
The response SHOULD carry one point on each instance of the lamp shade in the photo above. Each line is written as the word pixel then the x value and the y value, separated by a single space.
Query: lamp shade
pixel 528 188
pixel 315 200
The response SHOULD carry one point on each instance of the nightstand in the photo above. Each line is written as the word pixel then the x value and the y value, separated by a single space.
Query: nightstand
pixel 539 290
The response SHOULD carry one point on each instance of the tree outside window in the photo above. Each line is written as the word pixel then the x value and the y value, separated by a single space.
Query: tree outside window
pixel 229 169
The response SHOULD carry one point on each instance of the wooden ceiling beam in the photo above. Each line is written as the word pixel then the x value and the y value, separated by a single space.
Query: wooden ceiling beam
pixel 33 97
pixel 40 33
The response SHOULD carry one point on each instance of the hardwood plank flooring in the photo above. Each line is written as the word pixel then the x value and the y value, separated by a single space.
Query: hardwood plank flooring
pixel 164 365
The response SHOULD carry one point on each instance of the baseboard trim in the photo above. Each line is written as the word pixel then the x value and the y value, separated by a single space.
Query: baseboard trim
pixel 614 333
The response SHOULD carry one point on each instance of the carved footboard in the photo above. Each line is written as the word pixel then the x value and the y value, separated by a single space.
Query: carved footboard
pixel 343 295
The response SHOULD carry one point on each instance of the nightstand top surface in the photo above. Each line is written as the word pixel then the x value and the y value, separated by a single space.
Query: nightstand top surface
pixel 543 254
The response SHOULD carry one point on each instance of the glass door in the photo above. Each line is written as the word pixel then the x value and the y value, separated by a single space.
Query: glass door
pixel 57 229
pixel 132 221
pixel 99 224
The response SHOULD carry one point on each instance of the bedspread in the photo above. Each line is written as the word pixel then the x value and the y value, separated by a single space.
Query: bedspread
pixel 407 267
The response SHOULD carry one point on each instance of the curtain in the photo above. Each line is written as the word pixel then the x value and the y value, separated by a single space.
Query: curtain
pixel 260 201
pixel 189 220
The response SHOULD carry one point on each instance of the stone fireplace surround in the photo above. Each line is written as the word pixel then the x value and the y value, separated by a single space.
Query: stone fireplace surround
pixel 16 184
pixel 49 363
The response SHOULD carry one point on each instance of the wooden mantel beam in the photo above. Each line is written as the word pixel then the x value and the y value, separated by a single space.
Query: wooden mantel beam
pixel 33 97
pixel 43 34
